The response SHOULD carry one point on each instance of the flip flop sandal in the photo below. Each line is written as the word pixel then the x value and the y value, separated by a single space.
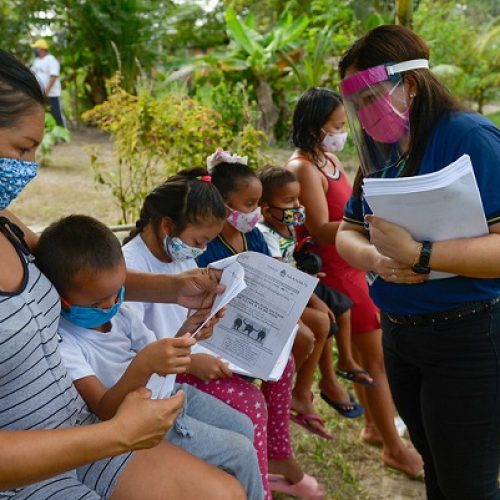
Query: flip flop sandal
pixel 356 411
pixel 305 419
pixel 307 488
pixel 352 376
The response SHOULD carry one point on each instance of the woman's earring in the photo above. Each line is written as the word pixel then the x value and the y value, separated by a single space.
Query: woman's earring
pixel 412 96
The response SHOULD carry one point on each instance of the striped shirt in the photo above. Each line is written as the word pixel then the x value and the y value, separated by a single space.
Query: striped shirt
pixel 35 389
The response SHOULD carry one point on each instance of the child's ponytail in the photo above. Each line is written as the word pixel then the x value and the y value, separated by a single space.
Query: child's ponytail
pixel 189 197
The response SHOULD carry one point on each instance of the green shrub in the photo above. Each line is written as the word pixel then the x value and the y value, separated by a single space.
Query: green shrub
pixel 156 137
pixel 53 134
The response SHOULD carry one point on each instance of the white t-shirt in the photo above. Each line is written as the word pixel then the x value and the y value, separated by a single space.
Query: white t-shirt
pixel 44 68
pixel 279 246
pixel 106 355
pixel 163 319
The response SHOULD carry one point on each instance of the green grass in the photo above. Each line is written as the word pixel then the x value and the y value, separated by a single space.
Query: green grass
pixel 495 118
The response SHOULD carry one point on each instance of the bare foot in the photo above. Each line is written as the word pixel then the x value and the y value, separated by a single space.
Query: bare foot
pixel 406 460
pixel 370 435
pixel 288 467
pixel 335 392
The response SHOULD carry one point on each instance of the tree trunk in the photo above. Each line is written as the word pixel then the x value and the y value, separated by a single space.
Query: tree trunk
pixel 270 113
pixel 404 12
pixel 97 88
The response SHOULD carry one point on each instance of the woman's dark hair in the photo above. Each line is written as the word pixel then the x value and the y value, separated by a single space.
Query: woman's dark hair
pixel 394 43
pixel 20 91
pixel 273 178
pixel 230 177
pixel 185 198
pixel 75 244
pixel 312 111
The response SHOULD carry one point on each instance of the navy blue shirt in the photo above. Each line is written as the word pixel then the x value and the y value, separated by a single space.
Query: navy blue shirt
pixel 219 249
pixel 454 135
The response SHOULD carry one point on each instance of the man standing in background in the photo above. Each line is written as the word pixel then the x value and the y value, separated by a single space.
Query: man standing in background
pixel 46 69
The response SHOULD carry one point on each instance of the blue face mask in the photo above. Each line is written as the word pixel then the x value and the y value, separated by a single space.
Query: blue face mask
pixel 14 175
pixel 180 251
pixel 92 317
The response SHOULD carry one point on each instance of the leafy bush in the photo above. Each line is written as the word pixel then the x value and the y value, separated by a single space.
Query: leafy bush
pixel 465 55
pixel 53 134
pixel 156 137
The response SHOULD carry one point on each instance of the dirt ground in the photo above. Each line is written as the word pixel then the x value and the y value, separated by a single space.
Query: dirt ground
pixel 348 468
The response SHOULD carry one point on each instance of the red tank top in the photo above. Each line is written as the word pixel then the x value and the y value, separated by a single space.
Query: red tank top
pixel 337 194
pixel 339 274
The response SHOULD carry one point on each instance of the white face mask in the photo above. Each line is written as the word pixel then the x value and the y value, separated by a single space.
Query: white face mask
pixel 242 221
pixel 333 142
pixel 178 250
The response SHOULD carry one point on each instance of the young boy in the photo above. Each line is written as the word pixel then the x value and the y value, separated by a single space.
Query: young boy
pixel 282 212
pixel 109 352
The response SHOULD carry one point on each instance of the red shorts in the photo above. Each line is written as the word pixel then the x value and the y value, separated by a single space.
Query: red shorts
pixel 364 313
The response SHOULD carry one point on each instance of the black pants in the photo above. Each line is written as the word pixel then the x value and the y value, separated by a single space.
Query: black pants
pixel 56 111
pixel 445 381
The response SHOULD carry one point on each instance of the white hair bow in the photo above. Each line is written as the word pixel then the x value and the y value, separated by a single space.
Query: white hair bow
pixel 221 156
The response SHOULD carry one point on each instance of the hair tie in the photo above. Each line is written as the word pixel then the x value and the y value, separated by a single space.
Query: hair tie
pixel 221 156
pixel 205 178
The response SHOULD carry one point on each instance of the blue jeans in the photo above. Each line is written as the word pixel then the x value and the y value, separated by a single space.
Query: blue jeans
pixel 213 431
pixel 445 381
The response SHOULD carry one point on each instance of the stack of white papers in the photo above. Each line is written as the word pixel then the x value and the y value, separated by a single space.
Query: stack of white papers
pixel 442 205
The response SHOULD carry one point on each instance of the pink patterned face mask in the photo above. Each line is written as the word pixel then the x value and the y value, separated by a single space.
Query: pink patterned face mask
pixel 382 122
pixel 244 222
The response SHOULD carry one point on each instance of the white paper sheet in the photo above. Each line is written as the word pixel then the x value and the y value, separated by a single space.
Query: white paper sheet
pixel 161 387
pixel 233 278
pixel 260 320
pixel 439 206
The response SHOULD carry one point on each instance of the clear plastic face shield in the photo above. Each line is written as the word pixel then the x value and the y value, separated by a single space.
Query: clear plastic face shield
pixel 378 111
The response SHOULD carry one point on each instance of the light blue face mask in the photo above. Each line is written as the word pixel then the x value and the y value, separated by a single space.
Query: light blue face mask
pixel 14 175
pixel 178 250
pixel 91 317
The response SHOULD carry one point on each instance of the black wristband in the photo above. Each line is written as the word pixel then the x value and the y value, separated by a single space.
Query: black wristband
pixel 422 266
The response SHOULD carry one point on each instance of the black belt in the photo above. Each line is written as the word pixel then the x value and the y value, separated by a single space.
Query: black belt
pixel 438 317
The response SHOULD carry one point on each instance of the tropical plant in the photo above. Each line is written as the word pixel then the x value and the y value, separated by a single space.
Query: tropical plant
pixel 317 66
pixel 257 58
pixel 53 134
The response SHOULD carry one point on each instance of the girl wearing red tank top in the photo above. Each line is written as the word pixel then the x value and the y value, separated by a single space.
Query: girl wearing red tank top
pixel 318 131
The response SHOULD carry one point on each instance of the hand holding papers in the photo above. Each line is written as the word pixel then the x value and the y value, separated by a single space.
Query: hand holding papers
pixel 233 279
pixel 442 205
pixel 254 335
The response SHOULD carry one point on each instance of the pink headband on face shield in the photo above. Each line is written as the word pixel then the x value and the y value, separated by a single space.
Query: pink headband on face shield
pixel 381 73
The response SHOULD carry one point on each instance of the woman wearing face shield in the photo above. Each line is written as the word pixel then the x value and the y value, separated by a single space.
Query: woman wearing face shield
pixel 319 133
pixel 441 337
pixel 52 445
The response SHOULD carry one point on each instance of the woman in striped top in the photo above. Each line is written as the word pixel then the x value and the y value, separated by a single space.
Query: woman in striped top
pixel 52 446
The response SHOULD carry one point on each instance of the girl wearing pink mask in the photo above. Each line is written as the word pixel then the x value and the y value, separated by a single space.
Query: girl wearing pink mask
pixel 441 337
pixel 319 132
